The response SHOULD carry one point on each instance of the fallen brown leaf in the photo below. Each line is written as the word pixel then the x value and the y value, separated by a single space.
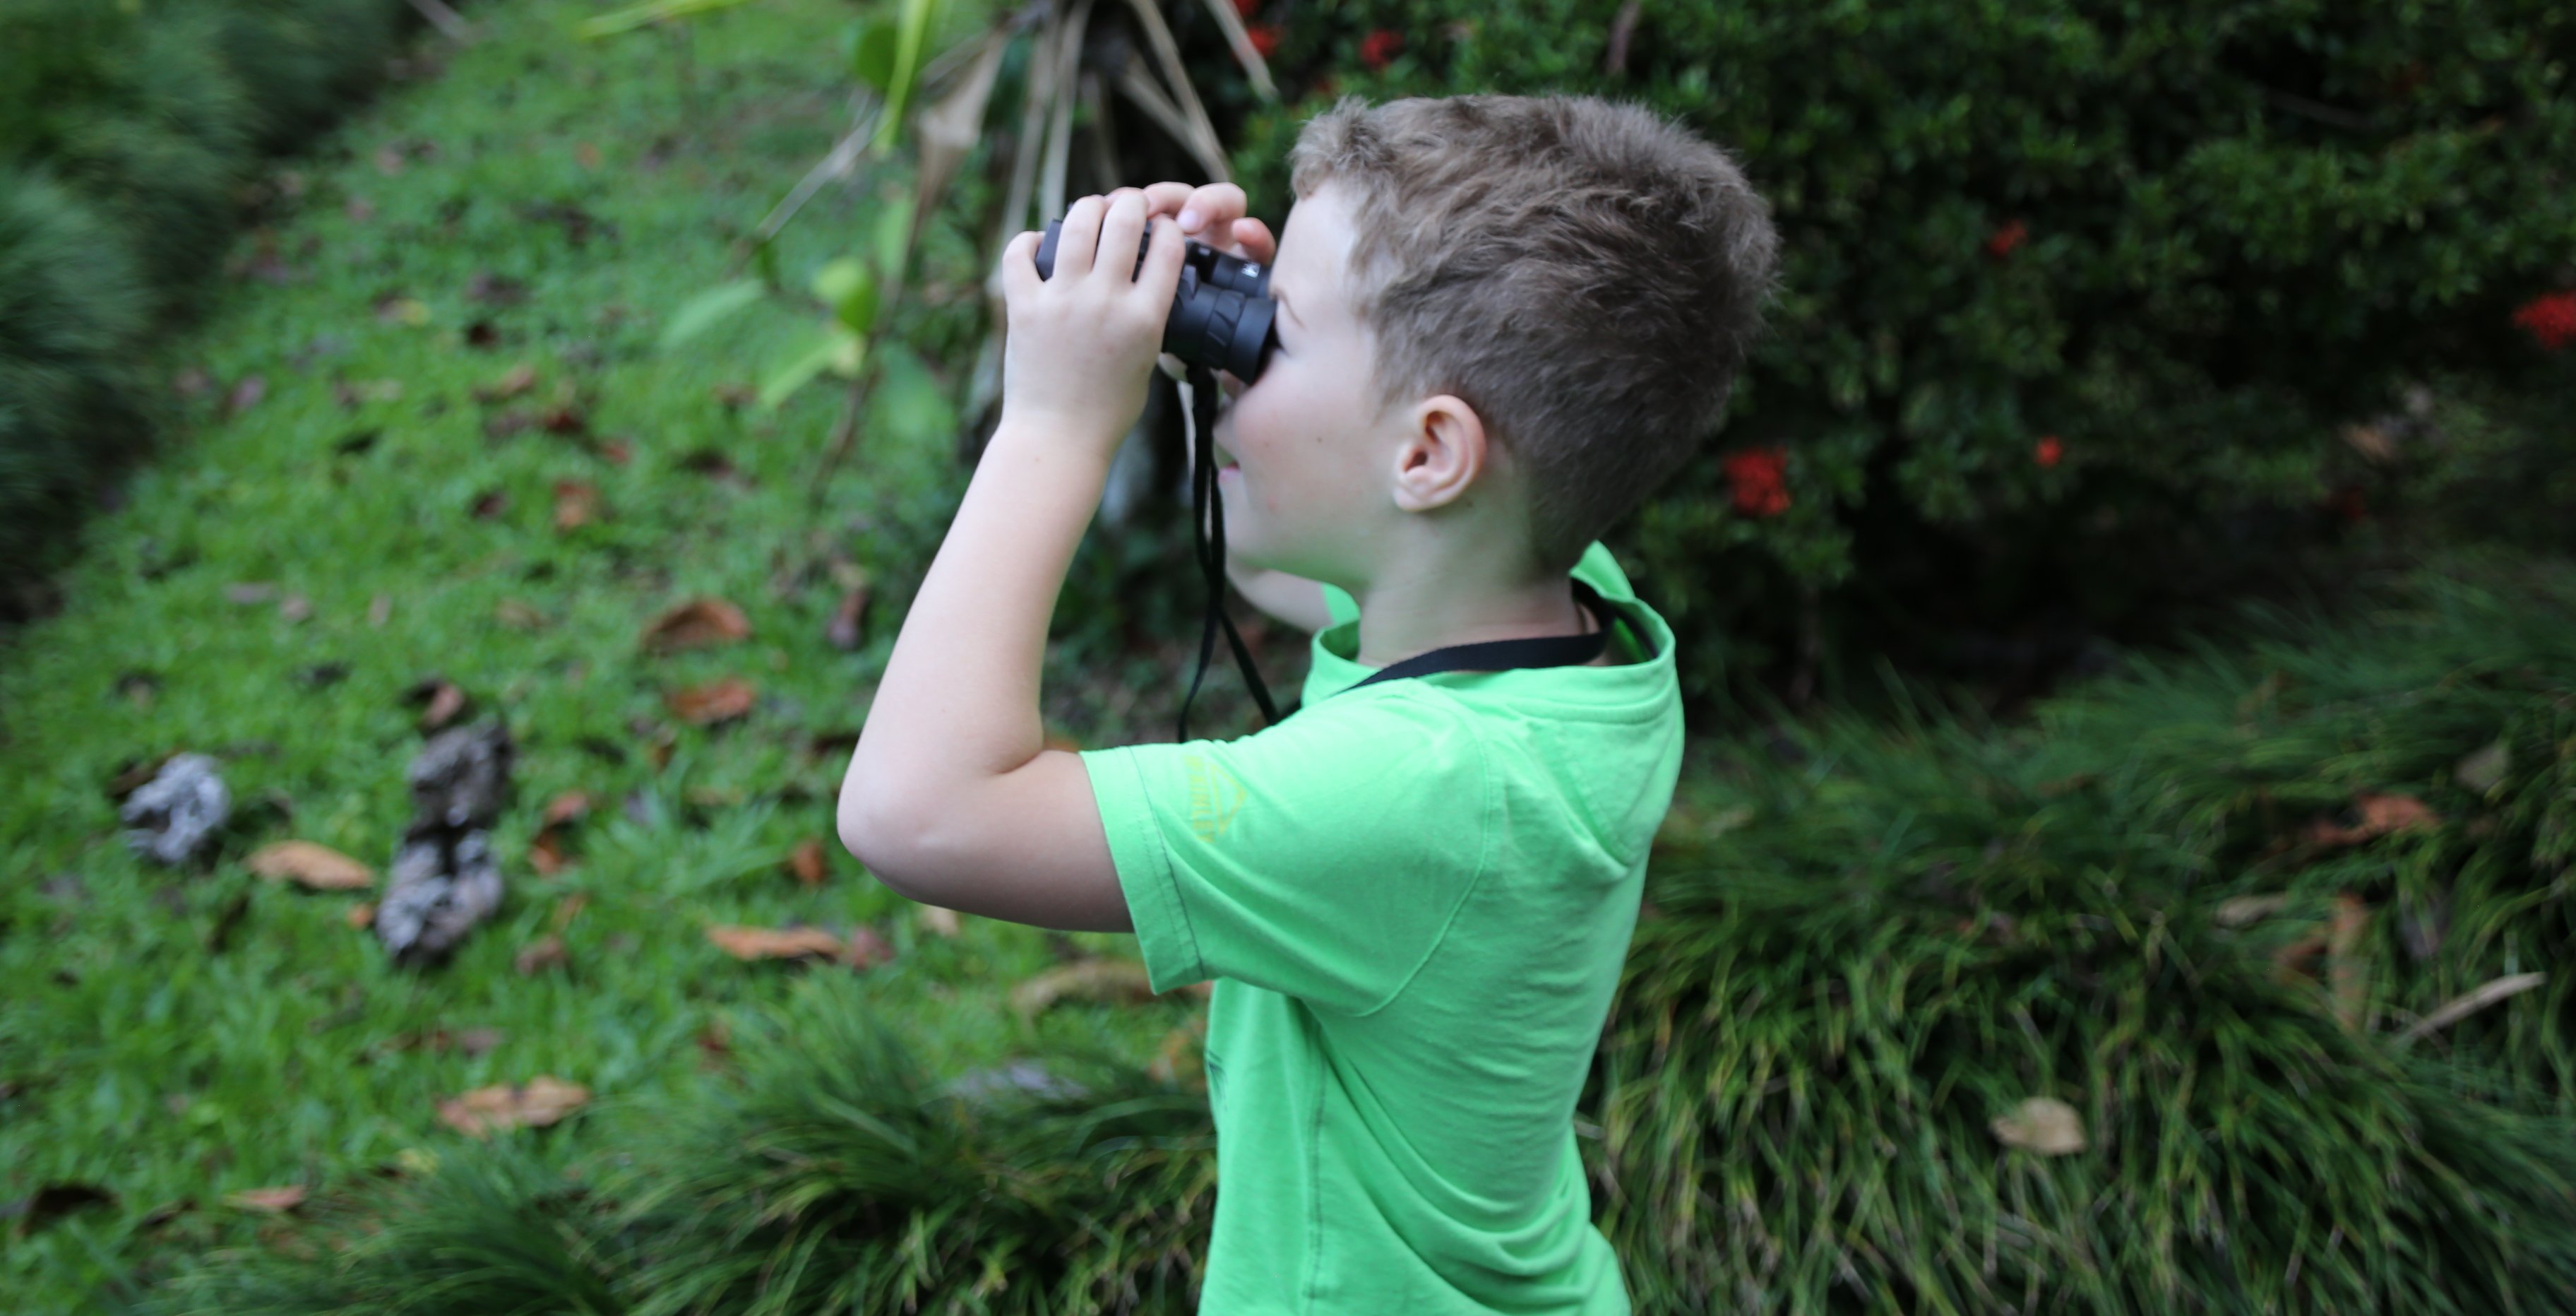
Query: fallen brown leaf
pixel 489 505
pixel 520 614
pixel 867 949
pixel 1099 979
pixel 806 861
pixel 696 624
pixel 440 701
pixel 567 807
pixel 537 956
pixel 567 908
pixel 362 915
pixel 541 1101
pixel 775 943
pixel 843 632
pixel 245 395
pixel 576 503
pixel 941 921
pixel 516 381
pixel 281 1199
pixel 719 701
pixel 2045 1125
pixel 2380 815
pixel 318 867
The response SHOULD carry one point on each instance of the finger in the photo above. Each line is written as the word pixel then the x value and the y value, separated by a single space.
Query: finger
pixel 1020 265
pixel 1122 230
pixel 1160 280
pixel 1210 208
pixel 1081 237
pixel 1167 198
pixel 1253 237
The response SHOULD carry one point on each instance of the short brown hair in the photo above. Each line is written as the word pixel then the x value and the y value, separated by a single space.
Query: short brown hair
pixel 1583 273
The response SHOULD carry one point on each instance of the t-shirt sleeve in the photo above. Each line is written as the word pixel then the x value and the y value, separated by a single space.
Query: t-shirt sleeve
pixel 1322 858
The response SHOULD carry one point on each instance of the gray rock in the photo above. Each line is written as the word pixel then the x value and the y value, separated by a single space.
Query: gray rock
pixel 444 878
pixel 171 817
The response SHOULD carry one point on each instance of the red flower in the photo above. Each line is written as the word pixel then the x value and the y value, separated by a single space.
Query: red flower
pixel 1379 47
pixel 1265 38
pixel 2551 318
pixel 1245 8
pixel 2049 451
pixel 2007 238
pixel 1756 475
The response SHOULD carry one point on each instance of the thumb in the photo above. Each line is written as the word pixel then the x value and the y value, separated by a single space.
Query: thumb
pixel 1020 267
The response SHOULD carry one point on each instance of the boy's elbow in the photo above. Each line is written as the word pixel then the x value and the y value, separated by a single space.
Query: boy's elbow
pixel 875 841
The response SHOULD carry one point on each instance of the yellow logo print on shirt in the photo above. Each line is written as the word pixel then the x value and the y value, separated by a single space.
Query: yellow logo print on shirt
pixel 1214 797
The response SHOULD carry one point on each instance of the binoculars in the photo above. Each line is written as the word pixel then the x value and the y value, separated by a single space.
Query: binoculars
pixel 1222 316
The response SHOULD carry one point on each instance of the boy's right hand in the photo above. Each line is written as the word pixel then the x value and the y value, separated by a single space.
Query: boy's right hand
pixel 1212 214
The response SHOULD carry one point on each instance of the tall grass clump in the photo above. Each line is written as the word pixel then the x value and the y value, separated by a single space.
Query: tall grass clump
pixel 1871 945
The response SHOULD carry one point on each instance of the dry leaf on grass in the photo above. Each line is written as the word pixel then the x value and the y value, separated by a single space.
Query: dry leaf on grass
pixel 863 948
pixel 519 614
pixel 2045 1125
pixel 719 701
pixel 806 862
pixel 520 379
pixel 362 916
pixel 696 624
pixel 540 955
pixel 440 701
pixel 576 504
pixel 566 908
pixel 282 1199
pixel 318 867
pixel 941 921
pixel 1098 979
pixel 546 852
pixel 2380 815
pixel 2343 959
pixel 2480 770
pixel 540 1101
pixel 843 631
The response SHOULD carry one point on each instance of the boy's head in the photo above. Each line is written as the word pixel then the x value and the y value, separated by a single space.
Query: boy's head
pixel 1523 313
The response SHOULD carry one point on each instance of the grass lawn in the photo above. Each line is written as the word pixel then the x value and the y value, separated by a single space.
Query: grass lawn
pixel 359 520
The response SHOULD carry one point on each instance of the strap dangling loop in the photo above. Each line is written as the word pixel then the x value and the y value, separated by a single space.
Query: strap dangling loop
pixel 1207 507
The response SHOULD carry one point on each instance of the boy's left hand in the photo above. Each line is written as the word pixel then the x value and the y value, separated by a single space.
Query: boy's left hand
pixel 1081 344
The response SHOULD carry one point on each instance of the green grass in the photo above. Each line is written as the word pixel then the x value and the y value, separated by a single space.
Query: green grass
pixel 138 1060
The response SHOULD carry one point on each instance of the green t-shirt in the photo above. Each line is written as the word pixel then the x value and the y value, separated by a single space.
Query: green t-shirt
pixel 1416 899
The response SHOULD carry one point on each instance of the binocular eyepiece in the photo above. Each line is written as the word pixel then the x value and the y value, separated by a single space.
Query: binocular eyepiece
pixel 1222 317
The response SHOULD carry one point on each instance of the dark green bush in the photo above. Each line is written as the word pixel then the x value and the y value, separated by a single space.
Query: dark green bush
pixel 2185 241
pixel 72 310
pixel 1869 944
pixel 147 119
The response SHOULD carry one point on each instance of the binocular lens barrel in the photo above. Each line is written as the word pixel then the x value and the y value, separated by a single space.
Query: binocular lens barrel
pixel 1222 317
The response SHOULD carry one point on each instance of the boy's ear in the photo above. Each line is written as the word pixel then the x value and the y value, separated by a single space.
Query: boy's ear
pixel 1445 453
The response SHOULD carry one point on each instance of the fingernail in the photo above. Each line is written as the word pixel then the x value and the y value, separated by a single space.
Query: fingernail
pixel 1190 221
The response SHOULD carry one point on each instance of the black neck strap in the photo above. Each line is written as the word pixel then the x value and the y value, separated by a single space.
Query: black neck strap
pixel 1207 509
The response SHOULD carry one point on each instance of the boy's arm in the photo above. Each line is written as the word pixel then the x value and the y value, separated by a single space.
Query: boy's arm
pixel 952 796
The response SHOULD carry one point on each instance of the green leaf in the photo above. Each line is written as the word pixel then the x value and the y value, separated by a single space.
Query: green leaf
pixel 849 287
pixel 871 47
pixel 917 16
pixel 893 235
pixel 812 357
pixel 706 308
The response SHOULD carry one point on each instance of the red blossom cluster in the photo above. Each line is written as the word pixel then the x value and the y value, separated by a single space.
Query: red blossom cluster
pixel 2049 450
pixel 1758 477
pixel 1265 38
pixel 2007 238
pixel 1246 8
pixel 2551 318
pixel 1379 47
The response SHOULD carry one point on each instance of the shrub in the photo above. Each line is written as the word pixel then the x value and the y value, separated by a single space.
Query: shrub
pixel 126 132
pixel 2080 283
pixel 72 309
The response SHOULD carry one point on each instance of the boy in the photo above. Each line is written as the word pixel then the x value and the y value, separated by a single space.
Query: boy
pixel 1504 322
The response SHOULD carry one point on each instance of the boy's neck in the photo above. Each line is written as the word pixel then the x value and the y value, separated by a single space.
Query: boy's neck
pixel 1401 617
